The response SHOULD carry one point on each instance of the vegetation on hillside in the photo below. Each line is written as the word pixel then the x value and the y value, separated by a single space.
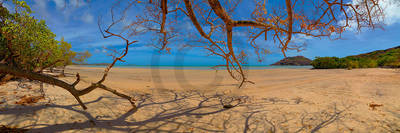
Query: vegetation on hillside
pixel 380 58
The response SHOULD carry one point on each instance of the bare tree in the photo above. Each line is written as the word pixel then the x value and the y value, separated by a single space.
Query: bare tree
pixel 215 21
pixel 280 21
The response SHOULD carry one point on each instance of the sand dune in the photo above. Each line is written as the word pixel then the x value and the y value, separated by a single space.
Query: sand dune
pixel 281 100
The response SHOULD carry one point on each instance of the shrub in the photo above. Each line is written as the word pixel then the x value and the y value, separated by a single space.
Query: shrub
pixel 343 63
pixel 349 64
pixel 326 62
pixel 387 61
pixel 367 63
pixel 395 65
pixel 353 64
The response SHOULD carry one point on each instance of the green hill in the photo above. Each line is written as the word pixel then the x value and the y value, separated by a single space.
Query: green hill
pixel 379 53
pixel 380 58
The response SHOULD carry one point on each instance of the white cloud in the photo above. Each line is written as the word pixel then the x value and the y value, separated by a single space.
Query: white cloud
pixel 391 10
pixel 74 33
pixel 77 3
pixel 104 42
pixel 100 50
pixel 300 38
pixel 70 7
pixel 60 4
pixel 87 18
pixel 40 4
pixel 40 7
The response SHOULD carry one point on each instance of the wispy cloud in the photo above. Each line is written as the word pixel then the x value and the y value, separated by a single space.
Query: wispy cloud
pixel 60 4
pixel 100 50
pixel 40 7
pixel 391 15
pixel 87 18
pixel 68 8
pixel 78 3
pixel 102 42
pixel 301 39
pixel 392 11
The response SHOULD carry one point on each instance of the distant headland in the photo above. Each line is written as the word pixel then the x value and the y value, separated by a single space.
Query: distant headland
pixel 294 61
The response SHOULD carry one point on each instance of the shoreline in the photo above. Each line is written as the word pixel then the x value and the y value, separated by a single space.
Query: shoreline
pixel 196 67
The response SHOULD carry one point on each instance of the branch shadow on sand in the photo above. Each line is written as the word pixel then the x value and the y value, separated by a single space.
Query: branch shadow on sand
pixel 189 111
pixel 164 115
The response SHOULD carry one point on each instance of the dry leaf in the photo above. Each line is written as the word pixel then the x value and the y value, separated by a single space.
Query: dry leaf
pixel 25 100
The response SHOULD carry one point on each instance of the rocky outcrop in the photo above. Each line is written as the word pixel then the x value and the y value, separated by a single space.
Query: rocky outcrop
pixel 294 61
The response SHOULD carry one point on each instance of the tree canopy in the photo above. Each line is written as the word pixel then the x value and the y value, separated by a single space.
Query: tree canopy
pixel 27 43
pixel 28 46
pixel 215 22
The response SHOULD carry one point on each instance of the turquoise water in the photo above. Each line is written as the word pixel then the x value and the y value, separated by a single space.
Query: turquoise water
pixel 204 67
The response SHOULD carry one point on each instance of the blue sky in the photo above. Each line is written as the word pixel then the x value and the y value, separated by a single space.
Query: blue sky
pixel 77 23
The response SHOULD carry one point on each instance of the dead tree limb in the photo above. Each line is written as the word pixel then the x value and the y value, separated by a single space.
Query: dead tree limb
pixel 69 87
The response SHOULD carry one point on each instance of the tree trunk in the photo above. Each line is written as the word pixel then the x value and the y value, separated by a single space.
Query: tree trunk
pixel 69 87
pixel 63 72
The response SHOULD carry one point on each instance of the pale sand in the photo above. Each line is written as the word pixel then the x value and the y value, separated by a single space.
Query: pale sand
pixel 281 100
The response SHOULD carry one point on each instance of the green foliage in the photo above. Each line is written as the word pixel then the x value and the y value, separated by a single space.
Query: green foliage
pixel 368 63
pixel 326 63
pixel 348 63
pixel 81 57
pixel 27 43
pixel 389 61
pixel 384 61
pixel 67 54
pixel 380 58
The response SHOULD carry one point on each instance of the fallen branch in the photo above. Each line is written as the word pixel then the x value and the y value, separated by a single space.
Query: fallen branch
pixel 69 87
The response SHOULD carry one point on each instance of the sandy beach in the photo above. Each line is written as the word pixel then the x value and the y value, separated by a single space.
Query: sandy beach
pixel 168 100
